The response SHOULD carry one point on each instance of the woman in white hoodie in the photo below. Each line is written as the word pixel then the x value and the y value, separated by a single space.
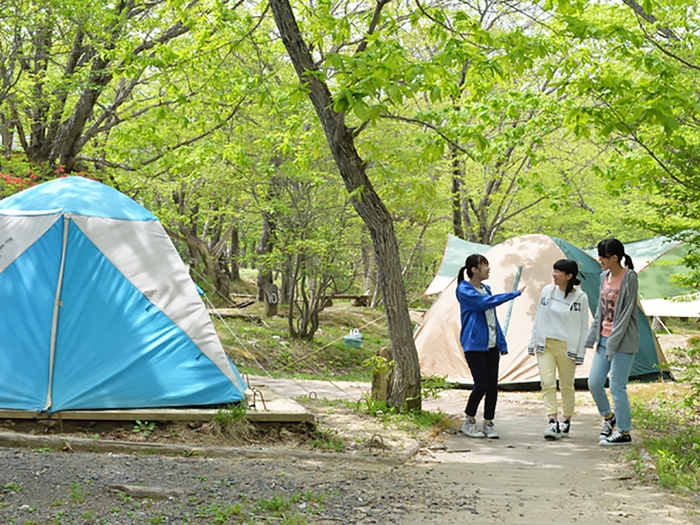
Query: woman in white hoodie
pixel 558 337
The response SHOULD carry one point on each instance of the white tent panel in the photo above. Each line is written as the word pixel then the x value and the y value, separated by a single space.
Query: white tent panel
pixel 32 228
pixel 144 254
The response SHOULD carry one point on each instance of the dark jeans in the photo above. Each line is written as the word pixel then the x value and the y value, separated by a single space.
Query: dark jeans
pixel 484 368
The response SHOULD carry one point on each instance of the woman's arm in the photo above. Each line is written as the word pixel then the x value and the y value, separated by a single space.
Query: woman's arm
pixel 470 299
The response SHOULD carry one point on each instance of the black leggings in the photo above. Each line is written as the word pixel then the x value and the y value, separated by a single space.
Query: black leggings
pixel 484 368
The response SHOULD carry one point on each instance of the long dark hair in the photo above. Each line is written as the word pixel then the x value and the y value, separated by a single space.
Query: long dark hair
pixel 567 266
pixel 473 261
pixel 610 247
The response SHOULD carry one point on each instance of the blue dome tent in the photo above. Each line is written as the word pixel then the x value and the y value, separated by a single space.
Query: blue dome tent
pixel 98 311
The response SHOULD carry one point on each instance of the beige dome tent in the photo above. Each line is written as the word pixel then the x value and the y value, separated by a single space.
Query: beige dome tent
pixel 525 260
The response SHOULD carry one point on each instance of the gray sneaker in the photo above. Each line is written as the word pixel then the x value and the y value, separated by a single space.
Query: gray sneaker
pixel 490 431
pixel 470 429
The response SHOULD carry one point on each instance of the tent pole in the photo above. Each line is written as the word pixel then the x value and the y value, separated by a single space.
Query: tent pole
pixel 510 304
pixel 56 305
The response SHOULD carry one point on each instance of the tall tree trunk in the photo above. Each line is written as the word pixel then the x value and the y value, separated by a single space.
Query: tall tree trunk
pixel 406 388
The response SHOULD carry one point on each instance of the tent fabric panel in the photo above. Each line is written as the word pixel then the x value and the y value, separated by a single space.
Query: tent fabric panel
pixel 18 233
pixel 456 252
pixel 589 270
pixel 537 255
pixel 27 294
pixel 77 195
pixel 646 251
pixel 672 308
pixel 145 255
pixel 115 349
pixel 649 358
pixel 655 279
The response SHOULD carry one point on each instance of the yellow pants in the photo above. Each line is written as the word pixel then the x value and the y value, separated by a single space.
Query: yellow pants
pixel 552 359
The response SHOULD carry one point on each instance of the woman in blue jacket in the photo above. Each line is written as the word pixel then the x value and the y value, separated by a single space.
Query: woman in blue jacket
pixel 482 340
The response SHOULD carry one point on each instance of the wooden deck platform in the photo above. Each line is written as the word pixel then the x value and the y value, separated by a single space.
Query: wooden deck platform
pixel 268 406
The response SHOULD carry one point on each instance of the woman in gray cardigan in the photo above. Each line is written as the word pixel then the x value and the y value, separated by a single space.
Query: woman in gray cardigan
pixel 615 331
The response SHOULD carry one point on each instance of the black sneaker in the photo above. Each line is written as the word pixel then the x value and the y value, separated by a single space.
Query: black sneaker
pixel 607 428
pixel 564 427
pixel 618 438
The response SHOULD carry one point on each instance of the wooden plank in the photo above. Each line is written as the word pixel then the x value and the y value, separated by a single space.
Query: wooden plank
pixel 270 407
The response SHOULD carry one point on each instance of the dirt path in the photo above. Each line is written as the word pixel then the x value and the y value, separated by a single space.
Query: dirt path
pixel 522 478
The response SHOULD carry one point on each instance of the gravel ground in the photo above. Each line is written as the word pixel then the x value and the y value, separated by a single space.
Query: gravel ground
pixel 83 488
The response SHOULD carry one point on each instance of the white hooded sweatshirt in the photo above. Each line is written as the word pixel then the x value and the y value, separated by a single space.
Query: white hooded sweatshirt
pixel 577 323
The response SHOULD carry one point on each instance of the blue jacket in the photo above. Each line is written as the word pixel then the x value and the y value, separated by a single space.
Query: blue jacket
pixel 474 334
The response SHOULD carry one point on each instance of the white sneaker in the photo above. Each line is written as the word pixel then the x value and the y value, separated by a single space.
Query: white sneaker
pixel 490 431
pixel 552 431
pixel 470 429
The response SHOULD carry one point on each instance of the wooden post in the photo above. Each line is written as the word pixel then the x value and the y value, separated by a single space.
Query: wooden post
pixel 271 300
pixel 382 379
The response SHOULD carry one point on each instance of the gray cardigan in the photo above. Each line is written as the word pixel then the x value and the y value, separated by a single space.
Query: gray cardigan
pixel 625 332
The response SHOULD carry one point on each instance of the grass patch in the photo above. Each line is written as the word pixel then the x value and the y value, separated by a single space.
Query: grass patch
pixel 327 439
pixel 77 492
pixel 231 422
pixel 669 428
pixel 265 347
pixel 412 421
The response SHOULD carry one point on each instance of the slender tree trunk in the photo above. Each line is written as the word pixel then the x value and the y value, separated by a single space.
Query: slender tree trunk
pixel 406 388
pixel 5 135
pixel 457 181
pixel 234 255
pixel 264 278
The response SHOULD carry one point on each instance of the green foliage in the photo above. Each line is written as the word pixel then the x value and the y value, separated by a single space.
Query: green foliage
pixel 230 414
pixel 143 427
pixel 405 419
pixel 378 364
pixel 231 421
pixel 222 514
pixel 77 492
pixel 671 434
pixel 327 439
pixel 687 362
pixel 431 386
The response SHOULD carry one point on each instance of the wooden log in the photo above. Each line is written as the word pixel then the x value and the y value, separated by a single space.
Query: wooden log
pixel 233 312
pixel 154 493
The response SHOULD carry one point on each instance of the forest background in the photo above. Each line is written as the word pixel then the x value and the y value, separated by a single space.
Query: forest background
pixel 332 146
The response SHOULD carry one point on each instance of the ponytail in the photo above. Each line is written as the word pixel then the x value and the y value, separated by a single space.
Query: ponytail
pixel 460 274
pixel 473 261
